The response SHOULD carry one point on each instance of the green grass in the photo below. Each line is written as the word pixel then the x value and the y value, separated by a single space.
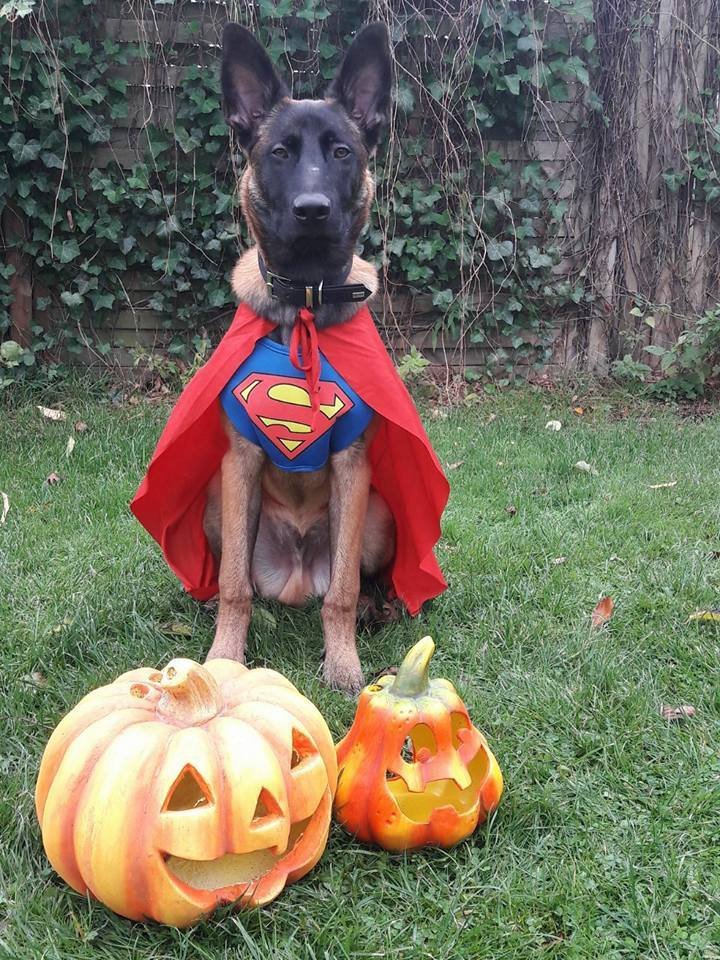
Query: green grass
pixel 607 841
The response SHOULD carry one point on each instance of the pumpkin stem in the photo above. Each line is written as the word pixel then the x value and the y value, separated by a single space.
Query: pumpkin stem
pixel 412 677
pixel 190 695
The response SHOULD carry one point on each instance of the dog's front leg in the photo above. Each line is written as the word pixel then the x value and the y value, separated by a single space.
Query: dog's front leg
pixel 349 491
pixel 241 493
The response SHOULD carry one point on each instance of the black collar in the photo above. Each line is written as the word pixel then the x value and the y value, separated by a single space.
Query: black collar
pixel 311 295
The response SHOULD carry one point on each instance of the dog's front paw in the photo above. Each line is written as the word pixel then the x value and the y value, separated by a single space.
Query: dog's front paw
pixel 342 670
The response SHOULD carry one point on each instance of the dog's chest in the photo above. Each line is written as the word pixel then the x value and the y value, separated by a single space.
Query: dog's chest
pixel 268 403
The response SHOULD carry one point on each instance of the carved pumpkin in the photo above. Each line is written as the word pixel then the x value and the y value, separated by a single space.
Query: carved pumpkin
pixel 413 770
pixel 167 793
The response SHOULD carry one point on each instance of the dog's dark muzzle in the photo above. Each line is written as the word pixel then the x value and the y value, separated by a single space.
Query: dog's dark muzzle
pixel 311 208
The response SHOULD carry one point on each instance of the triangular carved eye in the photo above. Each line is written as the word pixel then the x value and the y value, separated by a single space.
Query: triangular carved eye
pixel 188 792
pixel 302 748
pixel 266 806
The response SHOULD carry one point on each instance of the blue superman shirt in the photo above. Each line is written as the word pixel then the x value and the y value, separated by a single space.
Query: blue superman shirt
pixel 268 403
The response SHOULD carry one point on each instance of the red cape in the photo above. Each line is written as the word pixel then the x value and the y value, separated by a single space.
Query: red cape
pixel 170 501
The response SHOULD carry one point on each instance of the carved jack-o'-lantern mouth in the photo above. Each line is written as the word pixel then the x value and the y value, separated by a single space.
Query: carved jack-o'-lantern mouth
pixel 232 869
pixel 419 806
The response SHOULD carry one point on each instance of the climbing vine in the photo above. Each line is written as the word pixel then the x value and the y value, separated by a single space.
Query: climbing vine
pixel 118 176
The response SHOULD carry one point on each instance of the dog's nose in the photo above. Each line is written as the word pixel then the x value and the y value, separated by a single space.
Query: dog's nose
pixel 311 206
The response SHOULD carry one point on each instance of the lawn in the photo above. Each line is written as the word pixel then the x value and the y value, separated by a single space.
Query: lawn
pixel 607 841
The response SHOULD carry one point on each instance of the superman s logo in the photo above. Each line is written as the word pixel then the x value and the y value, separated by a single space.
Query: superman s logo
pixel 280 408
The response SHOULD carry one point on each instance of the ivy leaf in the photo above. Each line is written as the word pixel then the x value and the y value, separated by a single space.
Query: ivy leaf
pixel 102 301
pixel 512 81
pixel 16 9
pixel 499 250
pixel 538 259
pixel 218 297
pixel 23 150
pixel 71 299
pixel 10 353
pixel 52 160
pixel 67 251
pixel 405 98
pixel 527 43
pixel 100 133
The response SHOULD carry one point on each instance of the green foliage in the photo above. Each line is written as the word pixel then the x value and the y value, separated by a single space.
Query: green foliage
pixel 412 366
pixel 452 219
pixel 630 370
pixel 701 175
pixel 690 364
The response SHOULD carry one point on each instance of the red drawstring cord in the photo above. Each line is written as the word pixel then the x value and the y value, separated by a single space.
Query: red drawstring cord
pixel 304 343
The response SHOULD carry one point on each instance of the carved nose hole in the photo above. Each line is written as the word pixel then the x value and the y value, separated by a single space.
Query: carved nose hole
pixel 266 806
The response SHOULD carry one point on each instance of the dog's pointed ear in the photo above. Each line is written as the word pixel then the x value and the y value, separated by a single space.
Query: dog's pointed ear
pixel 363 83
pixel 250 86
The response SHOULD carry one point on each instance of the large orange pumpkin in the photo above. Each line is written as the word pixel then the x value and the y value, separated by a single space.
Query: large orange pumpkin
pixel 413 770
pixel 167 793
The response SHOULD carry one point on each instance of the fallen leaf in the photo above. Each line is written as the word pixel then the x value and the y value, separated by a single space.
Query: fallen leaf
pixel 176 628
pixel 268 618
pixel 662 486
pixel 69 446
pixel 51 414
pixel 602 612
pixel 52 479
pixel 511 509
pixel 586 467
pixel 558 560
pixel 711 615
pixel 5 506
pixel 491 418
pixel 67 621
pixel 579 411
pixel 80 426
pixel 681 712
pixel 553 425
pixel 35 679
pixel 454 466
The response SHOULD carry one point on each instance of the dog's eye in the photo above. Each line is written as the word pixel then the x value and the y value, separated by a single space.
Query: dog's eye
pixel 341 152
pixel 280 152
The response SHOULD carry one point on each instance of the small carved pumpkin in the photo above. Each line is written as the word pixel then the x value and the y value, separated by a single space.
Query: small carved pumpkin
pixel 167 793
pixel 413 770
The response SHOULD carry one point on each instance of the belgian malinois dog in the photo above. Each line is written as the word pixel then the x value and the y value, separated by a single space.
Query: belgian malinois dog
pixel 306 193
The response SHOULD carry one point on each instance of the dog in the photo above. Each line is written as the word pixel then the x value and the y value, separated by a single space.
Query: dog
pixel 306 194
